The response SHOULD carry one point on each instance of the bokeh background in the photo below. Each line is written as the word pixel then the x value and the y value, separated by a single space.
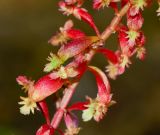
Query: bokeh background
pixel 26 26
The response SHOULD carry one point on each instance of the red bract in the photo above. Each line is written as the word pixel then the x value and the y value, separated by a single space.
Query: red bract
pixel 70 2
pixel 141 39
pixel 45 130
pixel 135 22
pixel 79 13
pixel 88 18
pixel 97 4
pixel 78 106
pixel 44 109
pixel 111 56
pixel 122 36
pixel 66 33
pixel 75 34
pixel 45 87
pixel 75 47
pixel 102 83
pixel 22 80
pixel 127 39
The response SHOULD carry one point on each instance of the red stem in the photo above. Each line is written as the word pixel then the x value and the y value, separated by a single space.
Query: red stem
pixel 69 93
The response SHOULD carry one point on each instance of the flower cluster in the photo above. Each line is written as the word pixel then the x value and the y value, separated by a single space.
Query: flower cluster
pixel 75 51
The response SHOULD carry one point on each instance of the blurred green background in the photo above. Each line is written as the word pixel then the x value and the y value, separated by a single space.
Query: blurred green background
pixel 26 26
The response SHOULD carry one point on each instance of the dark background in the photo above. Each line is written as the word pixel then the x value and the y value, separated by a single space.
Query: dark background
pixel 25 27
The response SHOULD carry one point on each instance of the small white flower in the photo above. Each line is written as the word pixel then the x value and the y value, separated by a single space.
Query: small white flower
pixel 112 70
pixel 28 105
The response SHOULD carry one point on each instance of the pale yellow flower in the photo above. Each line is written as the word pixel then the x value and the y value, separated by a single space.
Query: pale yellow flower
pixel 28 105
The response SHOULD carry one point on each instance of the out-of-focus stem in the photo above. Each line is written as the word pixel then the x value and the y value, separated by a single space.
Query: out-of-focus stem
pixel 69 93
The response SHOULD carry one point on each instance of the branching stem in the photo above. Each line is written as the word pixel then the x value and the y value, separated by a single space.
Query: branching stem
pixel 69 93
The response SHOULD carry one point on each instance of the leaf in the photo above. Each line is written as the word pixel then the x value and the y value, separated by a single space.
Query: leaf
pixel 102 83
pixel 45 87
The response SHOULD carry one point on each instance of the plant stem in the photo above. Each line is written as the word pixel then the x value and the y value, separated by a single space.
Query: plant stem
pixel 69 93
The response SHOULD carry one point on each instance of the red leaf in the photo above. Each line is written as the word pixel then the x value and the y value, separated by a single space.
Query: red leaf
pixel 109 55
pixel 44 108
pixel 102 83
pixel 45 87
pixel 45 130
